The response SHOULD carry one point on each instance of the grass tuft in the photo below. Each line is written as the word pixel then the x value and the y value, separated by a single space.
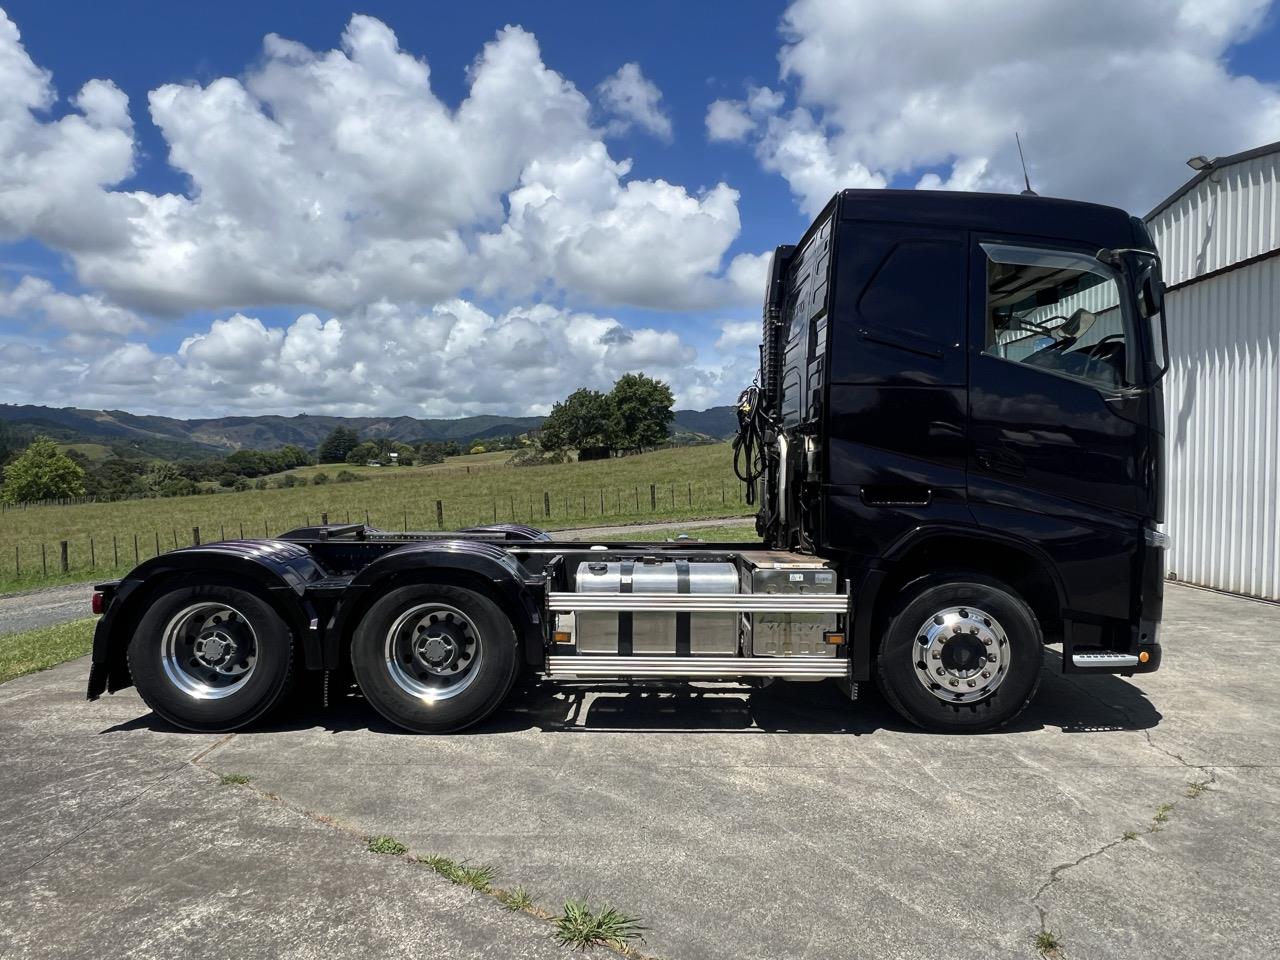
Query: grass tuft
pixel 1130 835
pixel 1195 789
pixel 234 779
pixel 517 899
pixel 387 845
pixel 581 927
pixel 477 878
pixel 1047 942
pixel 1162 813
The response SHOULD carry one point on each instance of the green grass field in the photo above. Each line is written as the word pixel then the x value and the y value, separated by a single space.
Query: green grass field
pixel 675 484
pixel 42 648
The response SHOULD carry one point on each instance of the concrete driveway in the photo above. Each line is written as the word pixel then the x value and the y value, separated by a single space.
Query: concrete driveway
pixel 1131 818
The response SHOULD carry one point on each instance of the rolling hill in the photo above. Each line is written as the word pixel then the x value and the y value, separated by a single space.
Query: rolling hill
pixel 173 438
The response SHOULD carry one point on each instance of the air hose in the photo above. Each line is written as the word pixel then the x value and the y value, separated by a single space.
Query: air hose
pixel 749 461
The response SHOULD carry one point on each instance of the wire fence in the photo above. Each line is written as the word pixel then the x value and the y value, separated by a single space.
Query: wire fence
pixel 25 560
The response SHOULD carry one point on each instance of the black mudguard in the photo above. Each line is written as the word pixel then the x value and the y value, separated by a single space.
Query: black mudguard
pixel 474 563
pixel 281 569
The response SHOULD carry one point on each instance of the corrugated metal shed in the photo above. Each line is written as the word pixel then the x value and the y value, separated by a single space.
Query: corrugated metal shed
pixel 1219 238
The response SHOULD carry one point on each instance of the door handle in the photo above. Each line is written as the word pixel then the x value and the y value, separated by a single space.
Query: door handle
pixel 1001 461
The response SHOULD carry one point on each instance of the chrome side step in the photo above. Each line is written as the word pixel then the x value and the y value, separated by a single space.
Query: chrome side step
pixel 563 602
pixel 696 667
pixel 1104 659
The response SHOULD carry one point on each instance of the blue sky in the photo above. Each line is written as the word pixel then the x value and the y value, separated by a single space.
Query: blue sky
pixel 112 295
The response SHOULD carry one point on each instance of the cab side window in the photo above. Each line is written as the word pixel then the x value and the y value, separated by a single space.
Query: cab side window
pixel 1059 311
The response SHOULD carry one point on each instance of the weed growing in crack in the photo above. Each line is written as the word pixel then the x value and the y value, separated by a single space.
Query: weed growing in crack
pixel 387 845
pixel 1161 816
pixel 233 779
pixel 477 878
pixel 581 927
pixel 517 899
pixel 1048 944
pixel 1195 789
pixel 1130 835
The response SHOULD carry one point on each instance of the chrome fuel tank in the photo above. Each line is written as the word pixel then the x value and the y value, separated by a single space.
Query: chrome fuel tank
pixel 656 633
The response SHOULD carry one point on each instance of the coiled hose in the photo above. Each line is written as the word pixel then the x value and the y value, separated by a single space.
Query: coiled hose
pixel 749 462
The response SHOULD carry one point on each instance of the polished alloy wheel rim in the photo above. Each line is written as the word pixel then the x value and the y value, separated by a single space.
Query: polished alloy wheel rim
pixel 433 651
pixel 961 654
pixel 209 650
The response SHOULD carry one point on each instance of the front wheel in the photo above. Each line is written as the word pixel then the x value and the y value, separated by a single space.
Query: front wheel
pixel 962 653
pixel 434 658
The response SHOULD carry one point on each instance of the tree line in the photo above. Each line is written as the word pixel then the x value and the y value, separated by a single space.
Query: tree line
pixel 635 415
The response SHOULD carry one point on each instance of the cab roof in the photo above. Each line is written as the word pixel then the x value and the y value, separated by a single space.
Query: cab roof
pixel 1047 217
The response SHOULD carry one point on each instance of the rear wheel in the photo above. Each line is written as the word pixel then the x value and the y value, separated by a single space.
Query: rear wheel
pixel 434 658
pixel 211 657
pixel 962 653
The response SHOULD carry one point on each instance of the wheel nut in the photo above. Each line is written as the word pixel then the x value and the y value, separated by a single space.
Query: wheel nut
pixel 972 682
pixel 986 641
pixel 964 613
pixel 939 671
pixel 954 683
pixel 986 674
pixel 957 629
pixel 936 655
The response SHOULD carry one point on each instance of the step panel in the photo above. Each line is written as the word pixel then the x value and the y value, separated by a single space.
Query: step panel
pixel 1104 659
pixel 706 667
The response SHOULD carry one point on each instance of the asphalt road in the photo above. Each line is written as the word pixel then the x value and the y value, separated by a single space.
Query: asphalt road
pixel 53 605
pixel 739 825
pixel 45 608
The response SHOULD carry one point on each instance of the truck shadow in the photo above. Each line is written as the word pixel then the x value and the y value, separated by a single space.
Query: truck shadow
pixel 1072 704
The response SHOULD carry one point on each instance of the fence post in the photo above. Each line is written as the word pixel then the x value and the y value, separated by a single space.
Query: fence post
pixel 44 563
pixel 546 504
pixel 513 506
pixel 195 536
pixel 17 561
pixel 653 496
pixel 222 531
pixel 602 503
pixel 157 543
pixel 324 519
pixel 65 562
pixel 439 514
pixel 691 493
pixel 136 558
pixel 115 551
pixel 406 519
pixel 241 529
pixel 265 532
pixel 93 556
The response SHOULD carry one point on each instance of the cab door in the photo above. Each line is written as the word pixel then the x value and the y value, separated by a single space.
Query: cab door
pixel 1057 427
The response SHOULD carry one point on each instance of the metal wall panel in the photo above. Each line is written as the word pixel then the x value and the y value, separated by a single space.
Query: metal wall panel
pixel 1232 215
pixel 1223 406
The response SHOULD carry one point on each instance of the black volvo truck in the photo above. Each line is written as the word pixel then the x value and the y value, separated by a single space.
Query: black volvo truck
pixel 956 445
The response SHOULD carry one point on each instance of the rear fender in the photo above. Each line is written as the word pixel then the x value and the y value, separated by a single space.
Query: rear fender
pixel 462 562
pixel 281 570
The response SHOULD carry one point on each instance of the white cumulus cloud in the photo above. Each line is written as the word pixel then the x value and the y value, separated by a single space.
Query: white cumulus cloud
pixel 633 100
pixel 1110 98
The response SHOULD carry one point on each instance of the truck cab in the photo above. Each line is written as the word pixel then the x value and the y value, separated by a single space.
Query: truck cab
pixel 971 381
pixel 955 443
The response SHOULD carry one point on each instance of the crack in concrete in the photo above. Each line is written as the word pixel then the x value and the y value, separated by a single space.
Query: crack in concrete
pixel 1055 874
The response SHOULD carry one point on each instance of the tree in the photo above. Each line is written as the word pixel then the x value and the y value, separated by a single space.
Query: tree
pixel 163 479
pixel 642 412
pixel 582 421
pixel 363 453
pixel 42 473
pixel 335 447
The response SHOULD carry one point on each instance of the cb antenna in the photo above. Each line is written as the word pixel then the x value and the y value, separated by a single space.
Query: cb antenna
pixel 1025 179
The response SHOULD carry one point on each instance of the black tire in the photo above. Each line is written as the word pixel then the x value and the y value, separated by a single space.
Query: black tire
pixel 162 687
pixel 904 665
pixel 490 637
